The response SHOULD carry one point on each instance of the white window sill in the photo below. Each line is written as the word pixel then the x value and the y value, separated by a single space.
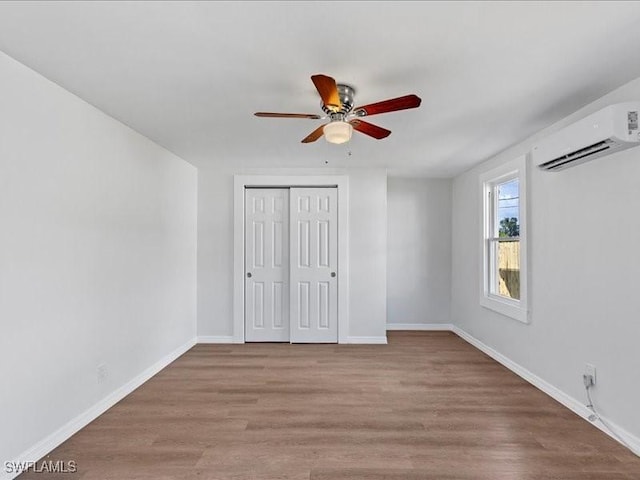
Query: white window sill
pixel 505 307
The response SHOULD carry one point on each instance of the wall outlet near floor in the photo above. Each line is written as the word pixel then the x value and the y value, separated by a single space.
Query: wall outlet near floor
pixel 590 371
pixel 101 373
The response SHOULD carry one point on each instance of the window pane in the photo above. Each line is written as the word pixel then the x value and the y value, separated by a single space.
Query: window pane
pixel 508 208
pixel 508 271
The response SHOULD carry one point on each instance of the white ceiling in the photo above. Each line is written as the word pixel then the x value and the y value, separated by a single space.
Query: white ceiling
pixel 189 75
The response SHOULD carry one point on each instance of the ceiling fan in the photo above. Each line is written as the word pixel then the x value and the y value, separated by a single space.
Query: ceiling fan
pixel 337 104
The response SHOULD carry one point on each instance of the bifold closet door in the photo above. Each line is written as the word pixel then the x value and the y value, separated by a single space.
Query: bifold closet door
pixel 266 265
pixel 314 263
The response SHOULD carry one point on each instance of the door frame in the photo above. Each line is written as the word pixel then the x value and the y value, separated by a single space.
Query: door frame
pixel 240 182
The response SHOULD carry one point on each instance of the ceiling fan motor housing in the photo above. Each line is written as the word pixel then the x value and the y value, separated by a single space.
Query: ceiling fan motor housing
pixel 347 94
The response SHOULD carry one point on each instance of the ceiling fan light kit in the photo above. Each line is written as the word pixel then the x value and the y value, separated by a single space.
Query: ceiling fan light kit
pixel 337 104
pixel 337 132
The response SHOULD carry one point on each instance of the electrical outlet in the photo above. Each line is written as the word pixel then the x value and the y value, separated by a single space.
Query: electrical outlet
pixel 590 371
pixel 101 373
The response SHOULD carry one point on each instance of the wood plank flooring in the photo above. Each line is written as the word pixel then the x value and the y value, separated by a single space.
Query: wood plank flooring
pixel 426 406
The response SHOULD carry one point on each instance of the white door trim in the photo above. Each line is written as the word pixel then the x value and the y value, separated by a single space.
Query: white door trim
pixel 240 182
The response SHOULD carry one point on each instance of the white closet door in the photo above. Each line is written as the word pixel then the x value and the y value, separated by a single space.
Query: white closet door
pixel 314 263
pixel 266 265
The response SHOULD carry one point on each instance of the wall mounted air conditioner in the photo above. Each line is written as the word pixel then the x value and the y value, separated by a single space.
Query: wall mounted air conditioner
pixel 606 131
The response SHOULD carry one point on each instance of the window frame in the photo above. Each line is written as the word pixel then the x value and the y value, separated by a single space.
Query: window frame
pixel 514 169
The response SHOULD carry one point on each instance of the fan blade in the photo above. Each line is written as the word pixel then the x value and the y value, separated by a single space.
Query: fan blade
pixel 328 91
pixel 287 115
pixel 370 129
pixel 392 105
pixel 315 135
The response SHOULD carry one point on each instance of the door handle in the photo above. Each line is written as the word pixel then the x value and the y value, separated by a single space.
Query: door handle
pixel 333 274
pixel 248 274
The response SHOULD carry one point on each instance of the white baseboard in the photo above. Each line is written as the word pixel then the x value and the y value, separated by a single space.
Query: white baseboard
pixel 46 445
pixel 354 340
pixel 433 327
pixel 215 339
pixel 367 340
pixel 571 403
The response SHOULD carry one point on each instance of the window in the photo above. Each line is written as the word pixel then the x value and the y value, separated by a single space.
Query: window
pixel 504 268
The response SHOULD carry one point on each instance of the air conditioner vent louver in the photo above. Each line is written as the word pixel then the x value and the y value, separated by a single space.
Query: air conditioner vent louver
pixel 604 132
pixel 556 163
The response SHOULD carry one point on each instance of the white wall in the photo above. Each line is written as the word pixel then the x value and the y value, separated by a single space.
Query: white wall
pixel 585 270
pixel 367 244
pixel 418 250
pixel 97 256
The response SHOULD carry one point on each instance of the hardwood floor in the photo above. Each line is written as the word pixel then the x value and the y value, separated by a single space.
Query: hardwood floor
pixel 426 406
